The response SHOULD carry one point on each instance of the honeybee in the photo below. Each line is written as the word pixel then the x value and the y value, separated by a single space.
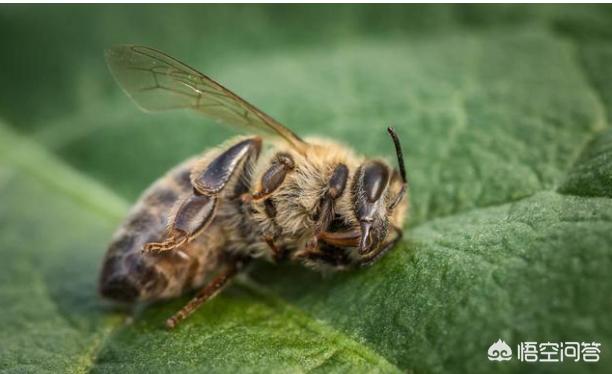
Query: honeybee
pixel 311 201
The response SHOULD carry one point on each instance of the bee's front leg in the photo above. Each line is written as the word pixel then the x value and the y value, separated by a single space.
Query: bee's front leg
pixel 193 213
pixel 325 255
pixel 334 247
pixel 323 213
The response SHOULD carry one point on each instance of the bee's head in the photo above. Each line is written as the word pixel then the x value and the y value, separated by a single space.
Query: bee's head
pixel 377 189
pixel 369 192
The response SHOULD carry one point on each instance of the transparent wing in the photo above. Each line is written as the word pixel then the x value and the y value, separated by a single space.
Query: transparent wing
pixel 157 82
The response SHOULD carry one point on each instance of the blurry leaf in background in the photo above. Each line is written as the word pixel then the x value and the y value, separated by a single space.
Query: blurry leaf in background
pixel 503 111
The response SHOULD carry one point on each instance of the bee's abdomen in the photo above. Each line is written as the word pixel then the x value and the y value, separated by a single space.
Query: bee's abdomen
pixel 121 285
pixel 128 275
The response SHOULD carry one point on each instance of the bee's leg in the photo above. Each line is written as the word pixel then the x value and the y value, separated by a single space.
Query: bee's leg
pixel 279 254
pixel 331 249
pixel 324 211
pixel 193 213
pixel 331 252
pixel 376 254
pixel 207 292
pixel 273 177
pixel 192 216
pixel 325 254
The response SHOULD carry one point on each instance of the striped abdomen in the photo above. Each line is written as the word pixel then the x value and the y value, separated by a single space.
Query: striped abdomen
pixel 129 275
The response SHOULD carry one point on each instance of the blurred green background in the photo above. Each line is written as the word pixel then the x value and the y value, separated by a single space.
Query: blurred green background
pixel 504 115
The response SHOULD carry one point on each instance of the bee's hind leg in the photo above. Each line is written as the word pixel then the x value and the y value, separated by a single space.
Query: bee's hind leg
pixel 193 213
pixel 192 216
pixel 208 291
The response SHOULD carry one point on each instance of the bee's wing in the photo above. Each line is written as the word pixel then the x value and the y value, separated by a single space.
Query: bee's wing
pixel 157 82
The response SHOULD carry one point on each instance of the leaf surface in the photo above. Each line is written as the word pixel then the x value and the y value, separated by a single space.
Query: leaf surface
pixel 504 116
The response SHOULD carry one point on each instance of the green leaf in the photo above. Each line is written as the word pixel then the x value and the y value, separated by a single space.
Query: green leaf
pixel 503 112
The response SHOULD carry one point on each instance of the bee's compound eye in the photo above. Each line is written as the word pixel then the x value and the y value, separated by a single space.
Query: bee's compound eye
pixel 194 213
pixel 370 182
pixel 374 179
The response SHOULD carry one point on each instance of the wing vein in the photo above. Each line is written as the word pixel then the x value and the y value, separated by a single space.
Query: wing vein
pixel 156 82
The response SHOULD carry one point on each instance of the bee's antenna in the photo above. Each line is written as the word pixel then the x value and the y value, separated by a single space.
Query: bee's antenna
pixel 398 152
